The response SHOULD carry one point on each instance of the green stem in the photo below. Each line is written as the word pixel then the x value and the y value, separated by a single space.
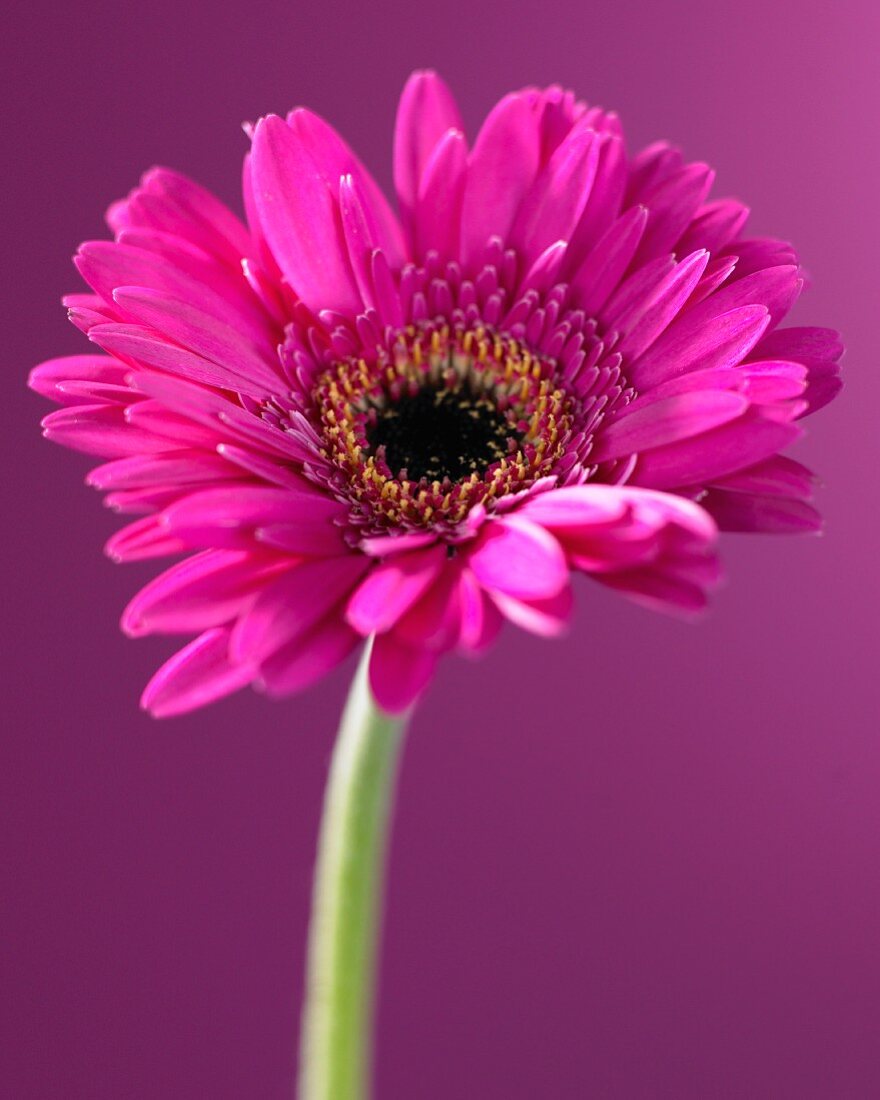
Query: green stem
pixel 335 1062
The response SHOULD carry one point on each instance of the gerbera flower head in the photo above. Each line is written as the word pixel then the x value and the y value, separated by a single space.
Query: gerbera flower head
pixel 346 422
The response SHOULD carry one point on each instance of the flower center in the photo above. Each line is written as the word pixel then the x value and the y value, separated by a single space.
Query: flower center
pixel 440 419
pixel 438 433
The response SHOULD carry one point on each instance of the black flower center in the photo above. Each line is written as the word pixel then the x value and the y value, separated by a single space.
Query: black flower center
pixel 439 433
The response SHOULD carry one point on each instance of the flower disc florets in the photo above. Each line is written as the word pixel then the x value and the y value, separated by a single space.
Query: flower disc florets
pixel 448 418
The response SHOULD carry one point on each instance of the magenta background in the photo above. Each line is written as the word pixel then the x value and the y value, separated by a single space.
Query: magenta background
pixel 644 863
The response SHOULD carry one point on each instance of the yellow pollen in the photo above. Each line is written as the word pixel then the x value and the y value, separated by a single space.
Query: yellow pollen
pixel 497 375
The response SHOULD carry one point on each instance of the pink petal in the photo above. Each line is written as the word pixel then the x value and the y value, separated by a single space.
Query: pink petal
pixel 719 270
pixel 777 288
pixel 801 344
pixel 556 200
pixel 714 226
pixel 761 383
pixel 106 265
pixel 547 618
pixel 230 515
pixel 605 200
pixel 634 290
pixel 261 466
pixel 671 205
pixel 646 319
pixel 79 391
pixel 389 590
pixel 778 476
pixel 544 272
pixel 300 219
pixel 769 515
pixel 360 238
pixel 734 446
pixel 426 112
pixel 760 253
pixel 437 218
pixel 481 621
pixel 720 341
pixel 606 506
pixel 294 603
pixel 399 673
pixel 208 589
pixel 769 382
pixel 143 539
pixel 170 203
pixel 191 327
pixel 197 675
pixel 434 620
pixel 48 378
pixel 666 421
pixel 220 415
pixel 379 546
pixel 307 659
pixel 651 167
pixel 576 506
pixel 333 159
pixel 609 528
pixel 605 265
pixel 502 168
pixel 152 416
pixel 363 239
pixel 100 430
pixel 203 219
pixel 658 591
pixel 818 349
pixel 145 347
pixel 518 558
pixel 312 536
pixel 173 468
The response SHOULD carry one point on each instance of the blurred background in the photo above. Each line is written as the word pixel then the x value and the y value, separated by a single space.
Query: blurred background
pixel 639 863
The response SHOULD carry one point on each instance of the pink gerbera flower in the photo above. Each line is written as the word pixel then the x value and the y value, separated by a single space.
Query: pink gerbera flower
pixel 557 359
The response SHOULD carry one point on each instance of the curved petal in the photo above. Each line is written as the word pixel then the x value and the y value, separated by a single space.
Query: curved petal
pixel 547 618
pixel 305 660
pixel 518 558
pixel 770 515
pixel 437 214
pixel 101 430
pixel 334 158
pixel 49 378
pixel 204 335
pixel 671 205
pixel 300 219
pixel 294 603
pixel 731 447
pixel 426 112
pixel 667 420
pixel 656 547
pixel 481 621
pixel 502 168
pixel 208 589
pixel 392 588
pixel 198 674
pixel 399 673
pixel 556 200
pixel 722 340
pixel 174 204
pixel 603 268
pixel 237 515
pixel 604 528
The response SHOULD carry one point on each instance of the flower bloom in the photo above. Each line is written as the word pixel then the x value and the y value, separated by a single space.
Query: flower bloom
pixel 558 358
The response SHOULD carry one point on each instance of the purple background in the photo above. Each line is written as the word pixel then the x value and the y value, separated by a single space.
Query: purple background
pixel 642 863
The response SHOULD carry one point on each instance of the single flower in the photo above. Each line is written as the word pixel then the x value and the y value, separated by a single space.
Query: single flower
pixel 557 359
